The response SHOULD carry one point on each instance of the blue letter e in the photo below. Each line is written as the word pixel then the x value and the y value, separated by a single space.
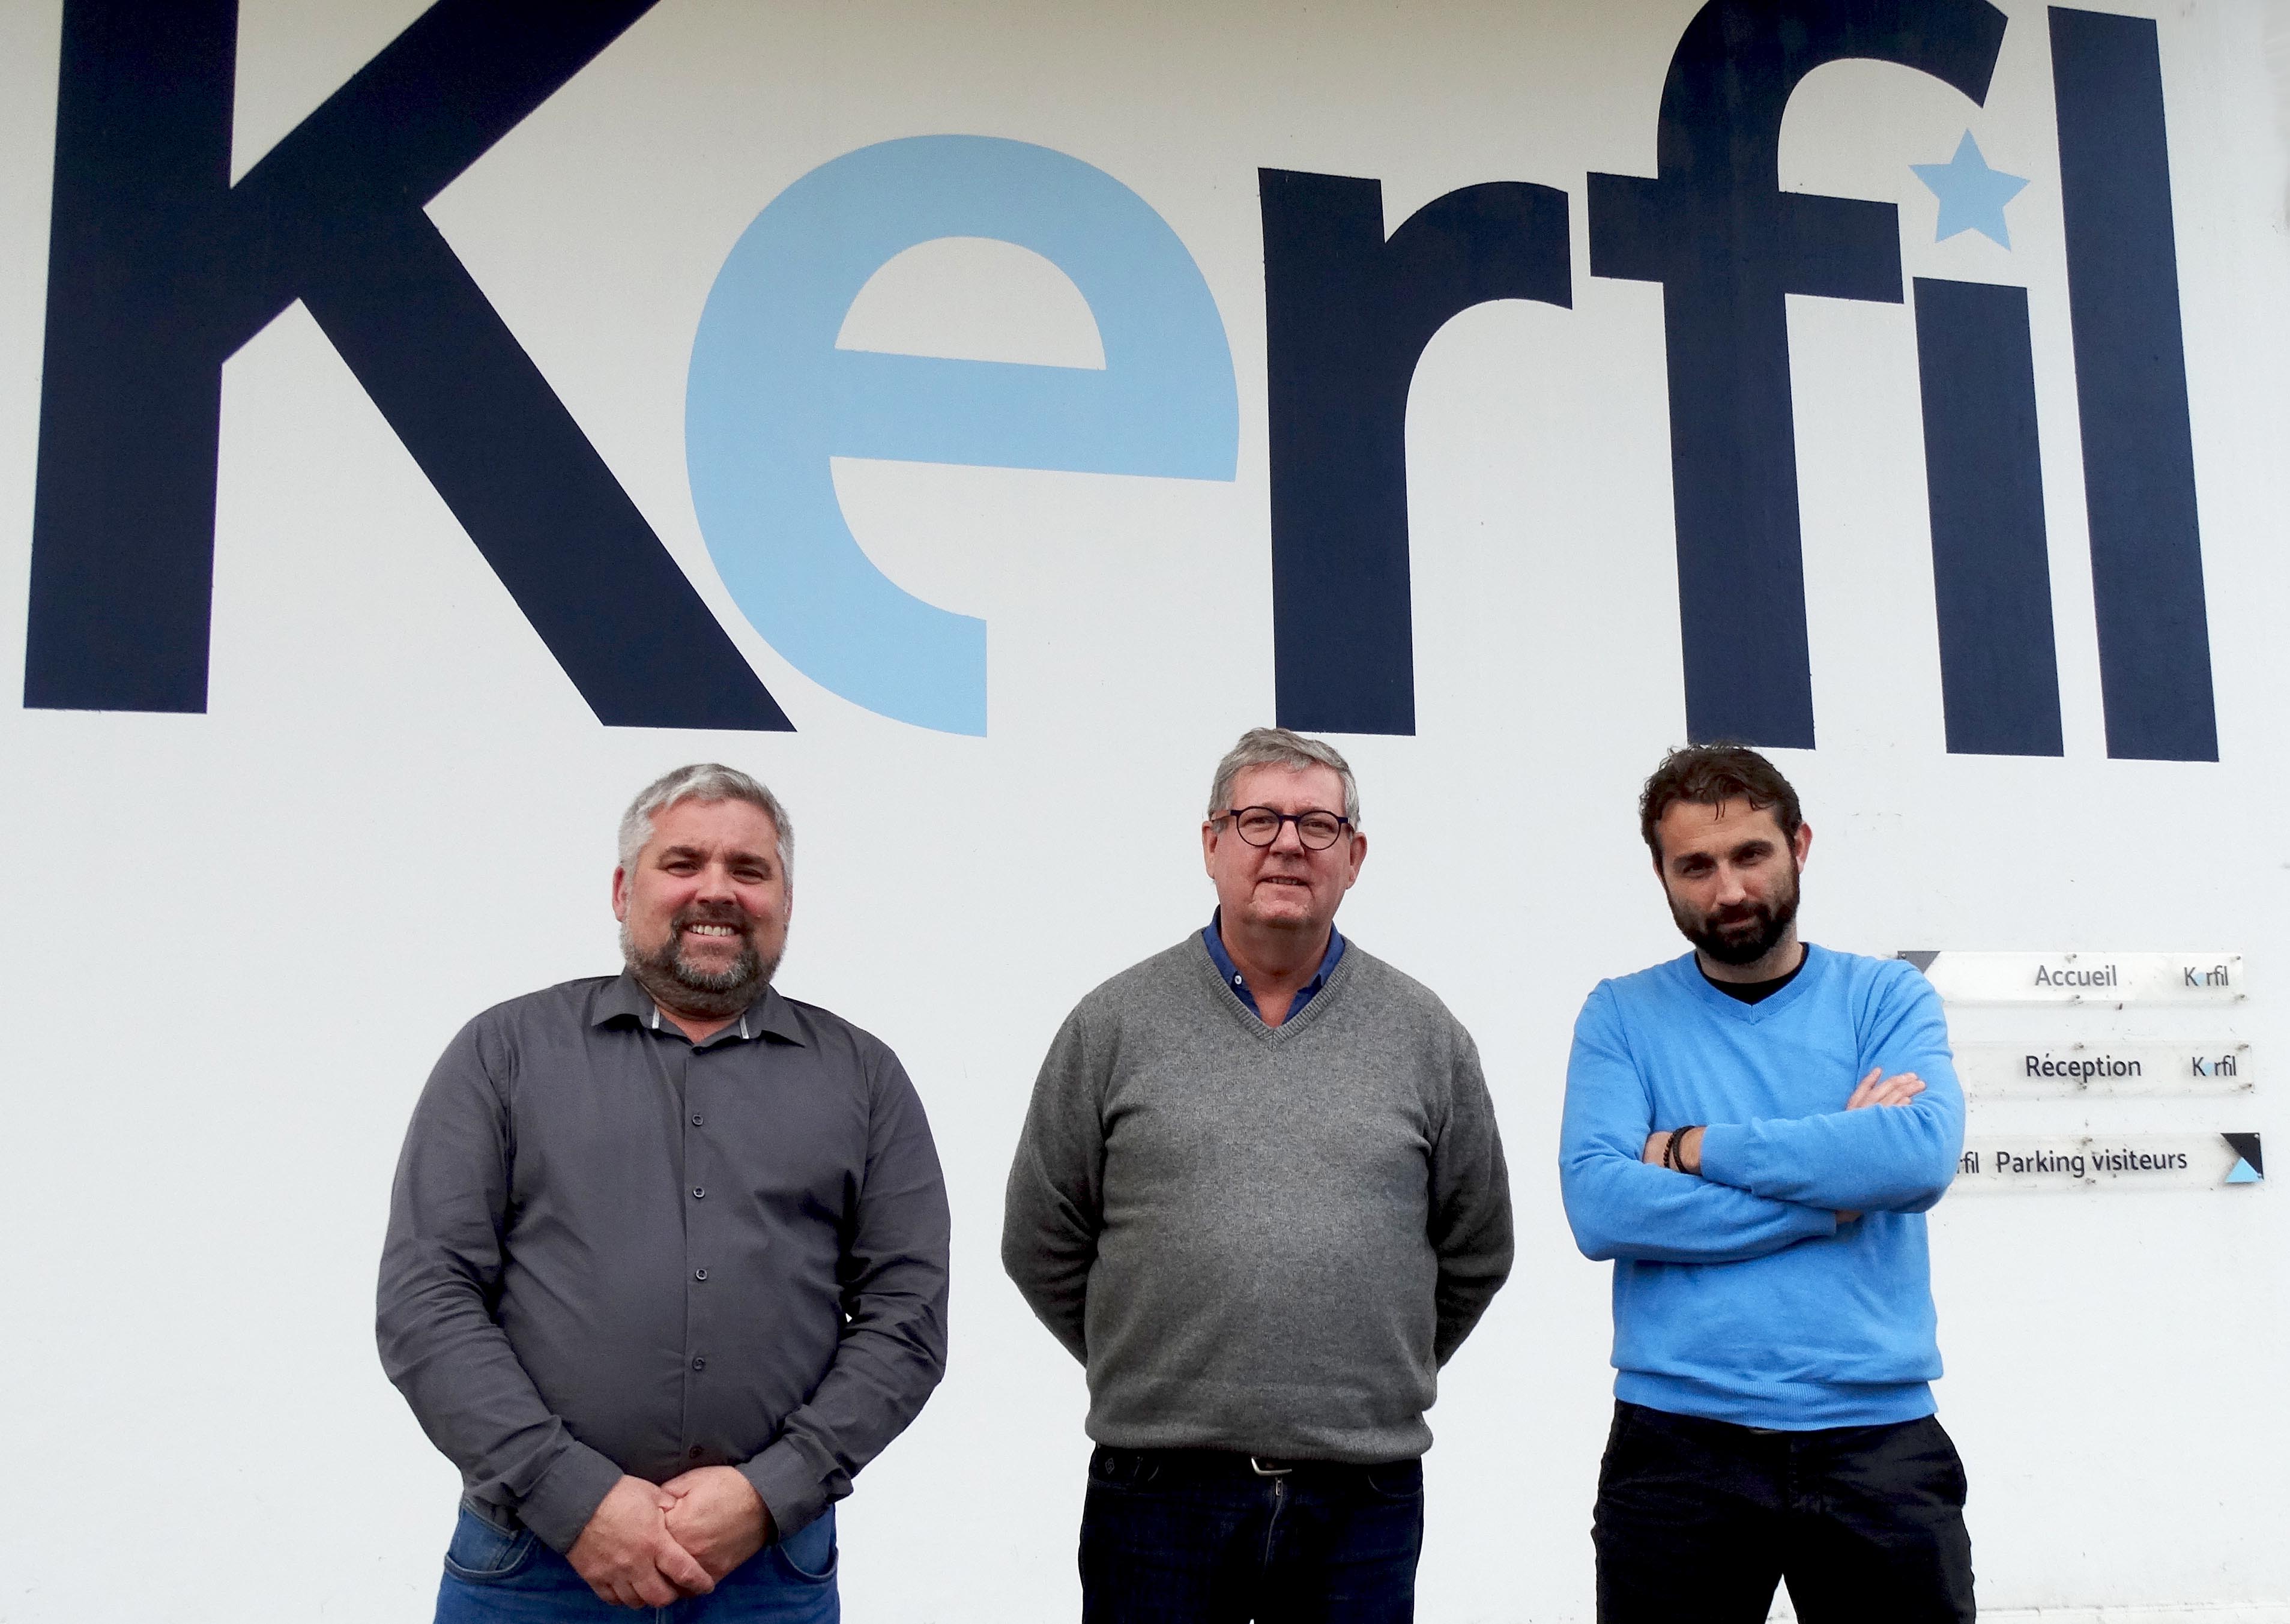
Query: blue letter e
pixel 770 399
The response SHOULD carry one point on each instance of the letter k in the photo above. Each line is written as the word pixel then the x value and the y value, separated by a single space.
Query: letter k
pixel 160 269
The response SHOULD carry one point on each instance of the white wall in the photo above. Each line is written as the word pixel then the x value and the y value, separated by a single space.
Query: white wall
pixel 236 942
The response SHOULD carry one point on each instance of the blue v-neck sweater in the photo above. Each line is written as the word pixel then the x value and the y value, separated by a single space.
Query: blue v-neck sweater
pixel 1739 1295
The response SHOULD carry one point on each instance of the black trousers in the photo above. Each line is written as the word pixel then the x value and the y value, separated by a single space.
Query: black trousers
pixel 1701 1519
pixel 1183 1536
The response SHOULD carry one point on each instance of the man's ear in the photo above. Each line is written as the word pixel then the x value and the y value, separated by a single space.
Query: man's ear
pixel 1803 843
pixel 621 894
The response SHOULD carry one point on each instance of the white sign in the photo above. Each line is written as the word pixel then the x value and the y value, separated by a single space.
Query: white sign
pixel 2084 978
pixel 2088 1162
pixel 2040 1070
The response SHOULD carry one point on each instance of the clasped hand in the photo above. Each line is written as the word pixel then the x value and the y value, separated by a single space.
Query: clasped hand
pixel 648 1545
pixel 1875 1089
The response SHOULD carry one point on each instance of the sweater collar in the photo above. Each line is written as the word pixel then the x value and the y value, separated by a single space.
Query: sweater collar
pixel 1690 972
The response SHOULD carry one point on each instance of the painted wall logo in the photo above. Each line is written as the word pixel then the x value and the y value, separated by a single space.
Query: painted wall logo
pixel 161 269
pixel 772 398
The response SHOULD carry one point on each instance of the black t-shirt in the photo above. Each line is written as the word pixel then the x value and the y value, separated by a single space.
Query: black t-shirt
pixel 1752 992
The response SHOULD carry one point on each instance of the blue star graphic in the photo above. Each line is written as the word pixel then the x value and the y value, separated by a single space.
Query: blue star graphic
pixel 1972 195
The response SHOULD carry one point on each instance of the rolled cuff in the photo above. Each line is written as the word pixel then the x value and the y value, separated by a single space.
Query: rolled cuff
pixel 568 1495
pixel 791 1490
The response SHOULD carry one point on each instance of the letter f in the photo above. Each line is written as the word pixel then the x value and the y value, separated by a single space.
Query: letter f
pixel 1727 243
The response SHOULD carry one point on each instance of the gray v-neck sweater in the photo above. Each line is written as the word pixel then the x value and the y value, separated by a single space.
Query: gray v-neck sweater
pixel 1260 1238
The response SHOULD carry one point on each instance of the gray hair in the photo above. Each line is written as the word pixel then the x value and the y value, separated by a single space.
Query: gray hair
pixel 703 780
pixel 1276 747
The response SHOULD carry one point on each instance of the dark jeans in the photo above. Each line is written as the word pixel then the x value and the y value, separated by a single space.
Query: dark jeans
pixel 496 1578
pixel 1183 1536
pixel 1699 1519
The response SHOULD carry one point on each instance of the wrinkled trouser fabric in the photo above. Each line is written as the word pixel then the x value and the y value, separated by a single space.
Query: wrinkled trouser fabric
pixel 1197 1537
pixel 1699 1519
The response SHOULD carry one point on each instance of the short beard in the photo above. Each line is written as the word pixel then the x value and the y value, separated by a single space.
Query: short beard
pixel 1773 920
pixel 676 984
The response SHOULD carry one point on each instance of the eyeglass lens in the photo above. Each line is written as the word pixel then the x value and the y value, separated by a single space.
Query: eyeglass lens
pixel 1259 826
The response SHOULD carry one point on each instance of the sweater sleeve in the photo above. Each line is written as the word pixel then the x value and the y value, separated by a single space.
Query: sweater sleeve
pixel 1620 1206
pixel 1880 1158
pixel 1471 1205
pixel 1053 1207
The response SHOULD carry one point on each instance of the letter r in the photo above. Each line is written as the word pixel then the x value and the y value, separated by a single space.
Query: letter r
pixel 159 269
pixel 1347 314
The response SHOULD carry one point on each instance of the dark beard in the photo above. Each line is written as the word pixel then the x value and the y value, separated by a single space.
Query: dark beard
pixel 676 984
pixel 1773 920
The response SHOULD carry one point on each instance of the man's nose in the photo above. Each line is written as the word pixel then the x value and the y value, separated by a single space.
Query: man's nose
pixel 1730 887
pixel 716 883
pixel 1291 837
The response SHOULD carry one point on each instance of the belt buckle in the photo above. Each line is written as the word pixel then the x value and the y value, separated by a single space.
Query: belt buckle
pixel 1257 1464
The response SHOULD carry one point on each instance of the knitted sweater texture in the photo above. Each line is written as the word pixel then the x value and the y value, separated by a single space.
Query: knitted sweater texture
pixel 1260 1238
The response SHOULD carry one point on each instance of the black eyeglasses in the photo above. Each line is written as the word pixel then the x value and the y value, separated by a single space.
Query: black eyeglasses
pixel 1259 826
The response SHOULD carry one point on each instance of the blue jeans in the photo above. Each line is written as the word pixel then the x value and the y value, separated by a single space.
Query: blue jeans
pixel 496 1578
pixel 1201 1537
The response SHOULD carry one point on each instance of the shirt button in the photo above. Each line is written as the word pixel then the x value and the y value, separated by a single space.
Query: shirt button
pixel 698 1191
pixel 693 1453
pixel 700 1273
pixel 700 1365
pixel 697 1119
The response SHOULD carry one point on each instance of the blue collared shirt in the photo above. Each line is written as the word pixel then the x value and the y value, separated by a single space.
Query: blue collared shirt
pixel 1215 940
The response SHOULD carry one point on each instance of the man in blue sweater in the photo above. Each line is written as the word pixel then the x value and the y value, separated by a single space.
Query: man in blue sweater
pixel 1753 1132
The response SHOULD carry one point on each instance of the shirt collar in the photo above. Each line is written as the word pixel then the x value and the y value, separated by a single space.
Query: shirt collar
pixel 623 999
pixel 1229 974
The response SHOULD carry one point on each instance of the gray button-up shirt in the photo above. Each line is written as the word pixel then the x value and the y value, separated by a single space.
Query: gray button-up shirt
pixel 611 1249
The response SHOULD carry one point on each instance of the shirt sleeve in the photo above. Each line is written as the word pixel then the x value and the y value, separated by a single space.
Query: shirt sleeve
pixel 1621 1206
pixel 1053 1207
pixel 1880 1158
pixel 893 1349
pixel 441 1272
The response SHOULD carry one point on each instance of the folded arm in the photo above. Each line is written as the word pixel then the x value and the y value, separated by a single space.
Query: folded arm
pixel 1622 1207
pixel 1899 1159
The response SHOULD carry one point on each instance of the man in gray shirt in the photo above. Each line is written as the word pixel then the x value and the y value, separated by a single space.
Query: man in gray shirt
pixel 1260 1196
pixel 667 1257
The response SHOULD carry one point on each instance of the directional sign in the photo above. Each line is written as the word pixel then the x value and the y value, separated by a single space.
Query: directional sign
pixel 2046 1162
pixel 2048 1071
pixel 2106 979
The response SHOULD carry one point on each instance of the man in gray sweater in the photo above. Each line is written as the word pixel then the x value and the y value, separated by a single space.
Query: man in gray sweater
pixel 1260 1196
